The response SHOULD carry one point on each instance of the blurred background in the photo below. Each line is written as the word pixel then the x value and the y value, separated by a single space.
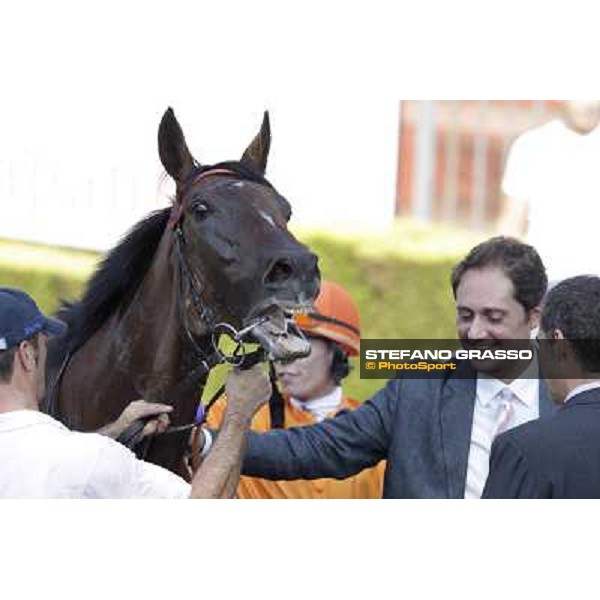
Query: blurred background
pixel 342 165
pixel 452 152
pixel 389 194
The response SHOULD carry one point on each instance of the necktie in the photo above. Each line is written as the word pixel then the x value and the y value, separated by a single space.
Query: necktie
pixel 490 420
pixel 505 411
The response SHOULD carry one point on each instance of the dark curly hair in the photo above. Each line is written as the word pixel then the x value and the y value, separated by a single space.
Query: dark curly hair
pixel 573 306
pixel 340 365
pixel 520 262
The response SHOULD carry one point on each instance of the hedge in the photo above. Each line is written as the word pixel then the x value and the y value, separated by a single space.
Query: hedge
pixel 399 278
pixel 48 274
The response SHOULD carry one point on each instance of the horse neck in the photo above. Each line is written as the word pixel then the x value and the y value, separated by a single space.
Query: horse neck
pixel 138 353
pixel 152 326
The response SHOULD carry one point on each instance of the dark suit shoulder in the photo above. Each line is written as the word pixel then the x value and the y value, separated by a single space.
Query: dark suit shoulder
pixel 511 472
pixel 572 423
pixel 427 388
pixel 560 453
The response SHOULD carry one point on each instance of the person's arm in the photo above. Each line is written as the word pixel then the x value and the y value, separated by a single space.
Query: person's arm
pixel 337 447
pixel 511 475
pixel 139 409
pixel 513 217
pixel 517 185
pixel 219 473
pixel 115 472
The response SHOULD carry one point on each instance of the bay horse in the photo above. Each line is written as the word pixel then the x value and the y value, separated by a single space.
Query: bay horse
pixel 221 259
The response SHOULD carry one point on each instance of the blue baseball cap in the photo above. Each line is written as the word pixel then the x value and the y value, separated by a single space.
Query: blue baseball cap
pixel 20 318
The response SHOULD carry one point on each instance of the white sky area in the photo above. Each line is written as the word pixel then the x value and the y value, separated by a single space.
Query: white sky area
pixel 84 85
pixel 83 97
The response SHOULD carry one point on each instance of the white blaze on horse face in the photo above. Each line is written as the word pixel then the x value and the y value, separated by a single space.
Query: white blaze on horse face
pixel 267 218
pixel 238 184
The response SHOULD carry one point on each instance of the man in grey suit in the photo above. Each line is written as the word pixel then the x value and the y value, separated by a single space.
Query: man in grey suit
pixel 435 434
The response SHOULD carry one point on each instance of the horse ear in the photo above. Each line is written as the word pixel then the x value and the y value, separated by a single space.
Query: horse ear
pixel 174 154
pixel 257 152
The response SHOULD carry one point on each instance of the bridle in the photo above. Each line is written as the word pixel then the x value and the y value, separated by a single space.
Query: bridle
pixel 204 359
pixel 189 283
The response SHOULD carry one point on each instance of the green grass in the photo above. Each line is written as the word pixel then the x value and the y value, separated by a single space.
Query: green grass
pixel 49 274
pixel 399 278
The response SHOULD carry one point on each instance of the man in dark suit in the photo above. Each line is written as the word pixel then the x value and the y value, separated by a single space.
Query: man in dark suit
pixel 435 433
pixel 559 457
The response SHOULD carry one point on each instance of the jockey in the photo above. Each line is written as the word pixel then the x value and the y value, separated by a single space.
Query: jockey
pixel 311 390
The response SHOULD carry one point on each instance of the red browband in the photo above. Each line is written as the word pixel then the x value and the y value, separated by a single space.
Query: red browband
pixel 177 209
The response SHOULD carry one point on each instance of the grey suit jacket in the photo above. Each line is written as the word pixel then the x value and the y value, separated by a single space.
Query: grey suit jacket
pixel 422 427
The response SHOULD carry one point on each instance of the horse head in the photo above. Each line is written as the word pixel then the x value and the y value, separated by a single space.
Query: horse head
pixel 248 269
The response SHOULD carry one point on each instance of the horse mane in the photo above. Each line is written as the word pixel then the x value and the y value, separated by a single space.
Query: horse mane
pixel 115 281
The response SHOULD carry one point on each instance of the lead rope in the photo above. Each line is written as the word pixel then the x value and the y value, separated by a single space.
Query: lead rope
pixel 53 392
pixel 276 401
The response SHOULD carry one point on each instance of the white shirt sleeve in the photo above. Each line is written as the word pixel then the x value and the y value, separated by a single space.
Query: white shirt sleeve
pixel 517 172
pixel 530 157
pixel 118 473
pixel 208 442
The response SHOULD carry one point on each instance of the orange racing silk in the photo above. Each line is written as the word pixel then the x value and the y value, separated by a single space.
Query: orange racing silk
pixel 366 484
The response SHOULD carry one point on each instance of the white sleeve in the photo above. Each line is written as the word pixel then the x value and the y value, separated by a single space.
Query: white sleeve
pixel 118 473
pixel 208 442
pixel 519 169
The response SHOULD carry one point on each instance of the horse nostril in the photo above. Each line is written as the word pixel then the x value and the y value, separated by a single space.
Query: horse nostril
pixel 280 271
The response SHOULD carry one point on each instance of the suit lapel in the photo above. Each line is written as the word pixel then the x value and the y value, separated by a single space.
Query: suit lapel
pixel 457 406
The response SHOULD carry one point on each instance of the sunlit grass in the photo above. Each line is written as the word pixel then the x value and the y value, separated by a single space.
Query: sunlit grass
pixel 404 237
pixel 77 263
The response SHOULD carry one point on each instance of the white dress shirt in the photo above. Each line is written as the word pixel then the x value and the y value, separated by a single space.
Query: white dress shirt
pixel 498 407
pixel 41 458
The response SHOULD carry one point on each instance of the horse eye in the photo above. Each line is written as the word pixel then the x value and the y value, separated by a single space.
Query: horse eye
pixel 200 209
